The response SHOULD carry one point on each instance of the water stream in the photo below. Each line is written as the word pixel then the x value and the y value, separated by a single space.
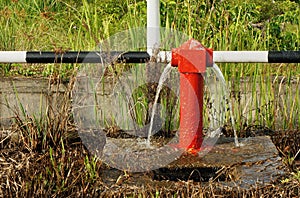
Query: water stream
pixel 220 76
pixel 161 81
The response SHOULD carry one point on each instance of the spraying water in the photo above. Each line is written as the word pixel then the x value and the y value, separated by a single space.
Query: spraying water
pixel 161 81
pixel 220 76
pixel 216 116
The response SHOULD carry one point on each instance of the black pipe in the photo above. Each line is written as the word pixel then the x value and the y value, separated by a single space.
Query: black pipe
pixel 129 57
pixel 86 57
pixel 284 57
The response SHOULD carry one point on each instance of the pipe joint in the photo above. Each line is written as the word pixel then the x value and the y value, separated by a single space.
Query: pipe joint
pixel 192 57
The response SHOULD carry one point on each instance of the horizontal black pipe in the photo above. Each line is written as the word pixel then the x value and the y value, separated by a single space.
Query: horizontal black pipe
pixel 142 57
pixel 86 57
pixel 284 57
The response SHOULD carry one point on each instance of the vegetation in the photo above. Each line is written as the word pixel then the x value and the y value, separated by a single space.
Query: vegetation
pixel 272 104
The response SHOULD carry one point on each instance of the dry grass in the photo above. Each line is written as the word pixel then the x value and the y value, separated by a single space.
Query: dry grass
pixel 47 159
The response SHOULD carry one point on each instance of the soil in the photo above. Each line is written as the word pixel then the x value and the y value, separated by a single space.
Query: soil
pixel 53 172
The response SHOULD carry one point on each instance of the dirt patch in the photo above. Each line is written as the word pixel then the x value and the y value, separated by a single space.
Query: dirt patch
pixel 71 171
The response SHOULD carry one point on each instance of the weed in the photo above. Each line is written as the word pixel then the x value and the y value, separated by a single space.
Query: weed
pixel 265 97
pixel 91 168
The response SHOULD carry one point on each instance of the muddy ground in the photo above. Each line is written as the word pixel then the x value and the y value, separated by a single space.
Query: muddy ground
pixel 65 169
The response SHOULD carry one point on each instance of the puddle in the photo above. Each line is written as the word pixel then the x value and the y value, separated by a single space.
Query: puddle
pixel 256 163
pixel 189 174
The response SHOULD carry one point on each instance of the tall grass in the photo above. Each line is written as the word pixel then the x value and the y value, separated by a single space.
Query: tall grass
pixel 222 25
pixel 264 96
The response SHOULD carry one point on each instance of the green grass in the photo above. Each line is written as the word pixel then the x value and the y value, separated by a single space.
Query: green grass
pixel 222 25
pixel 46 25
pixel 272 100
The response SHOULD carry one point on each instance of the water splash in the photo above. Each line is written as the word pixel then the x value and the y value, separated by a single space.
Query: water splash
pixel 161 81
pixel 220 76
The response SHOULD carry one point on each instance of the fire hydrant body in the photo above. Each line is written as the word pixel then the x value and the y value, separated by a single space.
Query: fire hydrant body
pixel 191 59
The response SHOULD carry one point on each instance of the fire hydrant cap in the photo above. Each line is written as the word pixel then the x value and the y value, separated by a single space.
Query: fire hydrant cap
pixel 192 57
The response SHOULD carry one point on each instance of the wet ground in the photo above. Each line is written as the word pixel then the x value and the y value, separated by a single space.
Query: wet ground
pixel 256 162
pixel 226 171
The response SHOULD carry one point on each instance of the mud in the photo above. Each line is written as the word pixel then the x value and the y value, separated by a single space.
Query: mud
pixel 257 162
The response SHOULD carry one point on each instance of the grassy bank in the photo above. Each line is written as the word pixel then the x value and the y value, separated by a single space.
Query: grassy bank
pixel 265 97
pixel 79 25
pixel 222 25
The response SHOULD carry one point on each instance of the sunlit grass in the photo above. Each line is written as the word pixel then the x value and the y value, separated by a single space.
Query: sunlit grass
pixel 262 95
pixel 71 25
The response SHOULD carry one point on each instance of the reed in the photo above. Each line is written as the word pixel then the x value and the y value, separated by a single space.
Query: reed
pixel 265 97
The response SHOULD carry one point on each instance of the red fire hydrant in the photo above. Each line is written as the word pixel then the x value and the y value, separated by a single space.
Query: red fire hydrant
pixel 191 58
